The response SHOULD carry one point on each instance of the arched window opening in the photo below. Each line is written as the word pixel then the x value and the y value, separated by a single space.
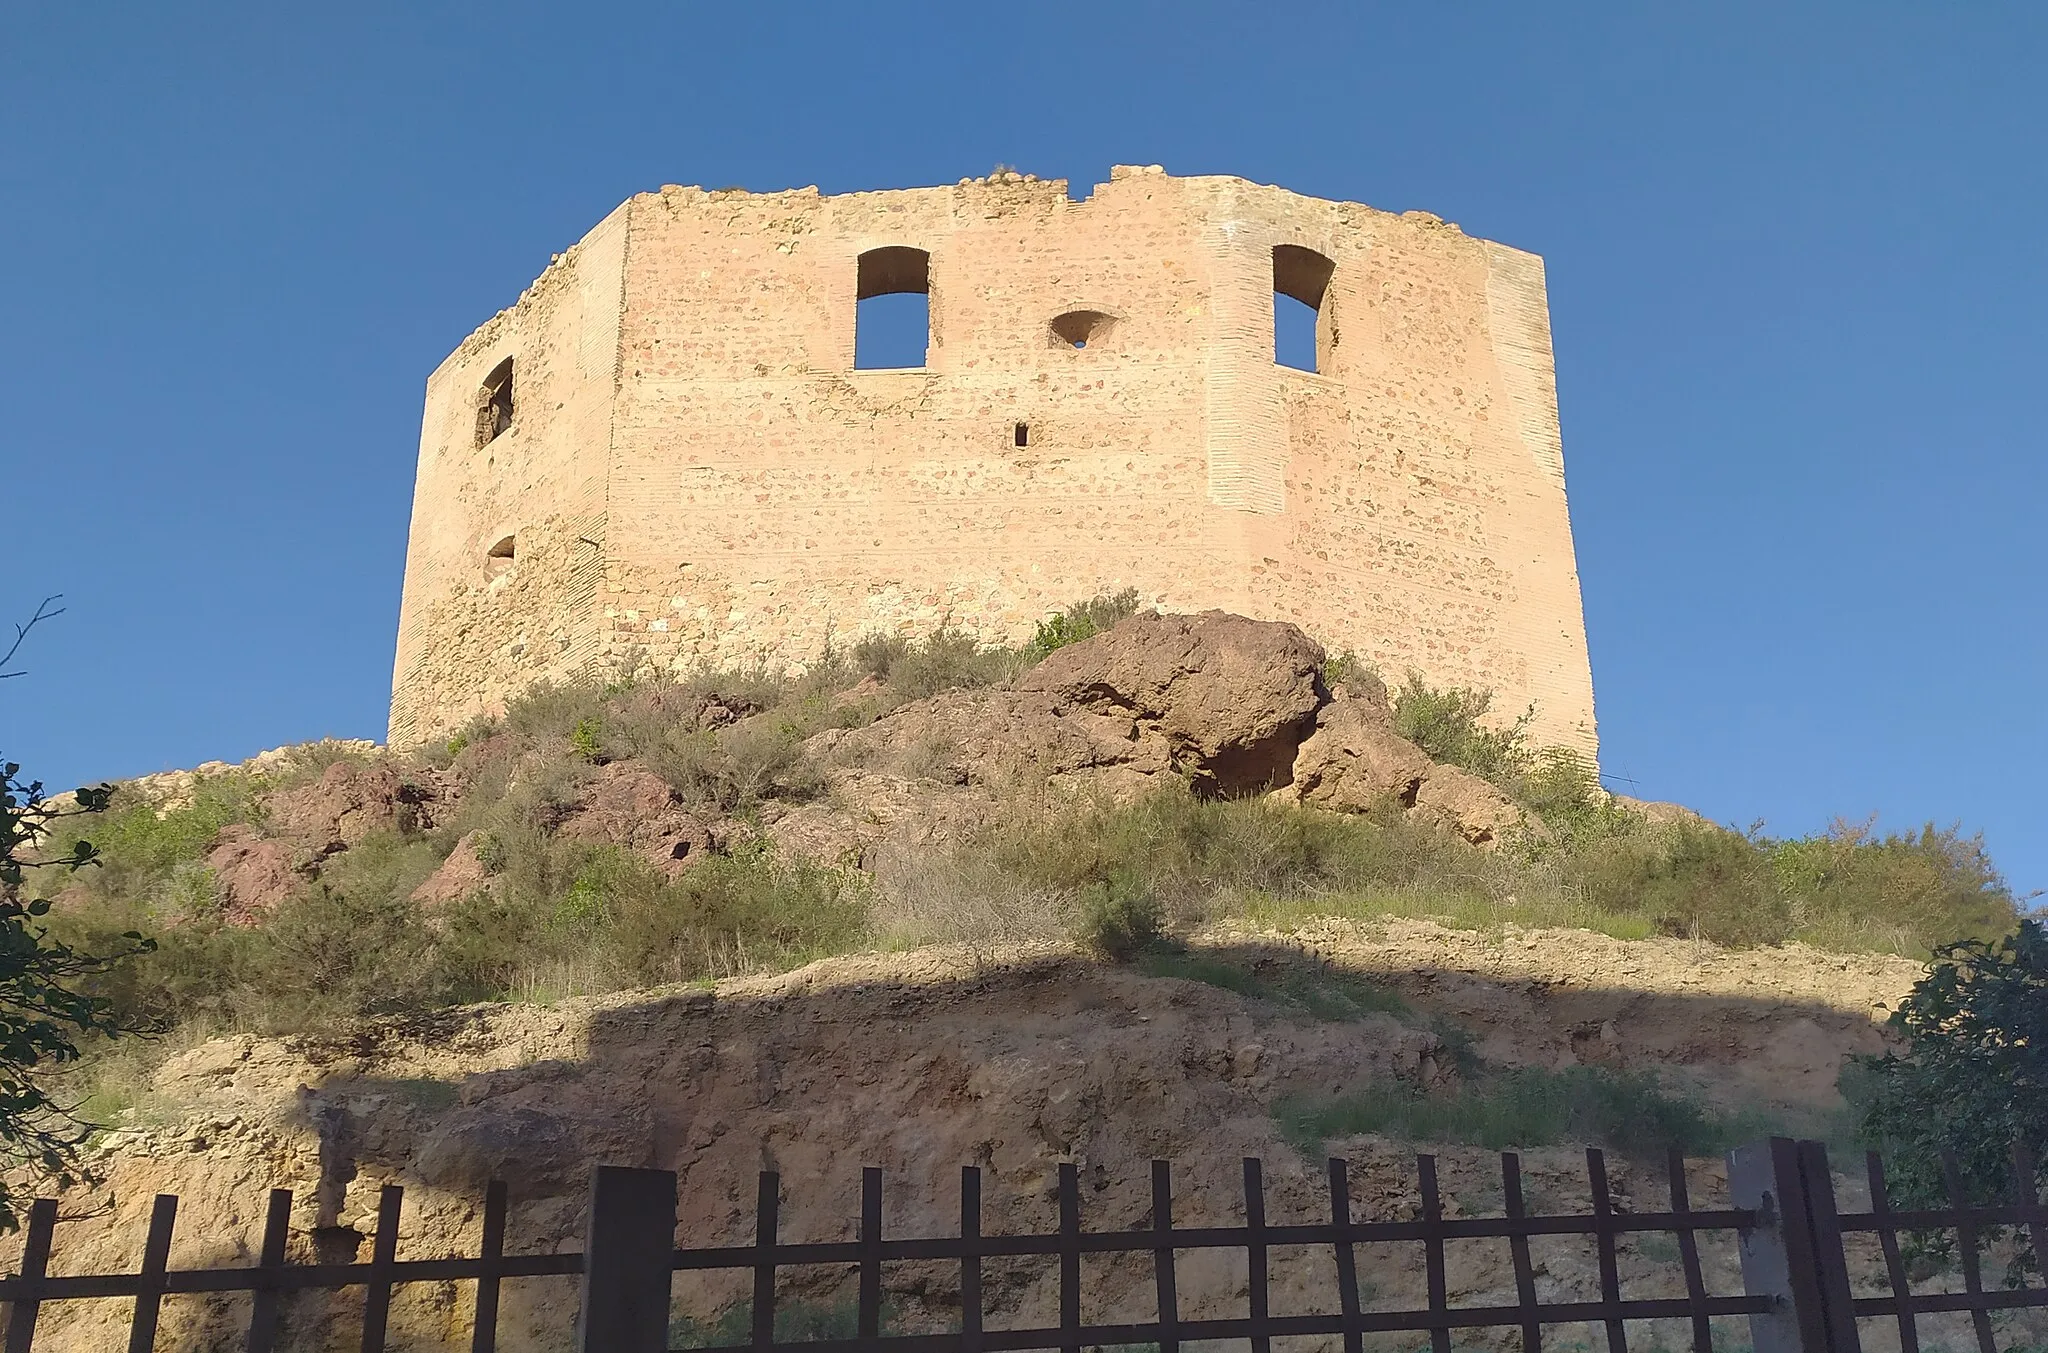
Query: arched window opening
pixel 498 559
pixel 1301 333
pixel 494 404
pixel 1079 328
pixel 892 326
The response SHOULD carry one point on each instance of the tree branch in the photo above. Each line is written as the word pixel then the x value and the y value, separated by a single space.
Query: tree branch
pixel 43 612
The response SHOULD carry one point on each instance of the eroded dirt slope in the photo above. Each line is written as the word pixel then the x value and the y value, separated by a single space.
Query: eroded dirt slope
pixel 920 1063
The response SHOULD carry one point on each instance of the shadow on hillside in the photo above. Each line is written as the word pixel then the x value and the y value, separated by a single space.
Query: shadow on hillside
pixel 819 1067
pixel 924 1062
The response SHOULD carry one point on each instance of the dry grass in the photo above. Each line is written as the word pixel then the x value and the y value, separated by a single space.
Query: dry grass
pixel 954 897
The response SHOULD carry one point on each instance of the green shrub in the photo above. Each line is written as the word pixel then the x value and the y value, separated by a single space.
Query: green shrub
pixel 1609 869
pixel 1446 724
pixel 1973 1077
pixel 1628 1111
pixel 1903 890
pixel 1119 919
pixel 547 716
pixel 876 655
pixel 1083 620
pixel 586 739
pixel 950 659
pixel 1689 879
pixel 1313 989
pixel 145 849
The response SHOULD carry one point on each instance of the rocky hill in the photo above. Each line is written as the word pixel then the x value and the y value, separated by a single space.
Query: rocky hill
pixel 1187 887
pixel 1223 705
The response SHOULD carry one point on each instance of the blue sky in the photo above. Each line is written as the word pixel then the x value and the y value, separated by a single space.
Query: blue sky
pixel 1796 279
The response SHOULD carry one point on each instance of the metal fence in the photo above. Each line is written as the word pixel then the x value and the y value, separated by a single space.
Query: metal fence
pixel 1795 1270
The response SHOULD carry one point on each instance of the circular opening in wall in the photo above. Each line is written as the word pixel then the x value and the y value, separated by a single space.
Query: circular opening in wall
pixel 1079 328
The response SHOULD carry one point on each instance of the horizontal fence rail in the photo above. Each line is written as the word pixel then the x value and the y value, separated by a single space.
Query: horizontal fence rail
pixel 1968 1222
pixel 1795 1276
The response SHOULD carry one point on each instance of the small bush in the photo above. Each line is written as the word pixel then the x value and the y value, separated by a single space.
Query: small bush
pixel 1447 725
pixel 1119 919
pixel 1609 870
pixel 926 896
pixel 1313 989
pixel 950 659
pixel 1083 620
pixel 547 716
pixel 146 849
pixel 876 655
pixel 1973 1077
pixel 586 739
pixel 1632 1112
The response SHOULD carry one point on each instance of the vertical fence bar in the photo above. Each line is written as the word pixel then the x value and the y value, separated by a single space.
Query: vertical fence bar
pixel 1831 1260
pixel 483 1336
pixel 383 1255
pixel 1162 1257
pixel 1518 1250
pixel 1603 1234
pixel 1070 1258
pixel 1966 1242
pixel 1255 1253
pixel 1689 1253
pixel 35 1264
pixel 264 1304
pixel 156 1257
pixel 2027 1193
pixel 1433 1252
pixel 1894 1262
pixel 1347 1261
pixel 767 1202
pixel 870 1311
pixel 1777 1252
pixel 628 1259
pixel 970 1259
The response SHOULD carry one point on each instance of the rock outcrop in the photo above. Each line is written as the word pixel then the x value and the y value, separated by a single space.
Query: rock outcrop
pixel 1220 703
pixel 1231 698
pixel 1354 762
pixel 1234 706
pixel 253 873
pixel 630 806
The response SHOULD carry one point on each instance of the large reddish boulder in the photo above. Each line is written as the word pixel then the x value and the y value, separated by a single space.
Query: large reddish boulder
pixel 1232 698
pixel 461 874
pixel 251 875
pixel 350 800
pixel 996 736
pixel 629 805
pixel 1355 762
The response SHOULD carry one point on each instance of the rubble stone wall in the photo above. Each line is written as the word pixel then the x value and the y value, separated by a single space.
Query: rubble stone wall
pixel 697 474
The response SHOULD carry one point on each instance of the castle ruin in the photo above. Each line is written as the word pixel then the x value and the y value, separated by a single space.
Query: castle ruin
pixel 668 454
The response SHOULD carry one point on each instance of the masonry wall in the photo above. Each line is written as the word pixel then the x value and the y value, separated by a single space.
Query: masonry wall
pixel 472 629
pixel 752 495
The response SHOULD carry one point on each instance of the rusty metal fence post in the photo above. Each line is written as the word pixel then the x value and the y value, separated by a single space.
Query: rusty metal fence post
pixel 1793 1255
pixel 629 1256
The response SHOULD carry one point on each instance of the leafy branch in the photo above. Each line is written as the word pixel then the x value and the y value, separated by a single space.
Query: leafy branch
pixel 47 1006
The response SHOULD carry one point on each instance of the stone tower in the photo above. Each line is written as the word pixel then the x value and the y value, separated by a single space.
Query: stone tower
pixel 665 454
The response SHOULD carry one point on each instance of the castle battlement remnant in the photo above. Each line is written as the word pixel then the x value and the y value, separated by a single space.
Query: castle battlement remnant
pixel 668 454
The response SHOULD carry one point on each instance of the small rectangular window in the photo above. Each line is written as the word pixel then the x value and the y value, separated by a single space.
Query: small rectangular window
pixel 1023 434
pixel 892 324
pixel 494 404
pixel 1302 333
